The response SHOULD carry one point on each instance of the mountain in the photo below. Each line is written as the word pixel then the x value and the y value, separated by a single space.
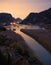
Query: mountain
pixel 41 18
pixel 31 18
pixel 6 18
pixel 46 16
pixel 18 20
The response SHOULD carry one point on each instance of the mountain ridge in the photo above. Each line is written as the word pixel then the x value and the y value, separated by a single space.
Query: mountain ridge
pixel 6 18
pixel 43 17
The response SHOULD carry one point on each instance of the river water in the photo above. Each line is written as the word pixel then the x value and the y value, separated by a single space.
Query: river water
pixel 41 53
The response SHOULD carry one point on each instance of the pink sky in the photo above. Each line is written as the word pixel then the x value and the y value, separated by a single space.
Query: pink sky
pixel 21 8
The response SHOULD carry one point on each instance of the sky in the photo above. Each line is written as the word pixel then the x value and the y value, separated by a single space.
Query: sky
pixel 21 8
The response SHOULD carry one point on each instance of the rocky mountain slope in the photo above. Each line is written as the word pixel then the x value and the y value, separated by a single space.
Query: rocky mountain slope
pixel 42 18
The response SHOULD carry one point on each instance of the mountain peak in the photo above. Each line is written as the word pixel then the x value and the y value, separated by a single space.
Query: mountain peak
pixel 49 9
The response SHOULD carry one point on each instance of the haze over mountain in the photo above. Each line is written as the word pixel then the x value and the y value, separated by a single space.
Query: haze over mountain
pixel 41 18
pixel 18 20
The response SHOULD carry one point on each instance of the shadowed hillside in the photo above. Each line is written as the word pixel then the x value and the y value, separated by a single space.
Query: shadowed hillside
pixel 42 19
pixel 5 18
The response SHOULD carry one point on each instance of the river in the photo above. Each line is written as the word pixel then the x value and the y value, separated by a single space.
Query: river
pixel 41 53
